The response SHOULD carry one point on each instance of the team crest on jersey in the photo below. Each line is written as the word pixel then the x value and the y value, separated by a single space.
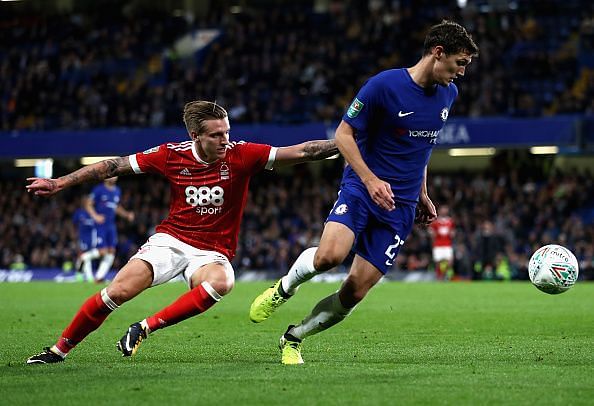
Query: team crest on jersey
pixel 224 171
pixel 151 150
pixel 355 108
pixel 444 114
pixel 341 209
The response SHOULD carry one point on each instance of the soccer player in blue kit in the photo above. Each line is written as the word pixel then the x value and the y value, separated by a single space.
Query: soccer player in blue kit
pixel 386 138
pixel 87 241
pixel 103 205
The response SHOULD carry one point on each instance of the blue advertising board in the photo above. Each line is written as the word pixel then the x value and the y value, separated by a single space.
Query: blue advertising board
pixel 479 132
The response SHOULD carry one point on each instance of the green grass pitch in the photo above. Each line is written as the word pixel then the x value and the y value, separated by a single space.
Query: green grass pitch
pixel 432 343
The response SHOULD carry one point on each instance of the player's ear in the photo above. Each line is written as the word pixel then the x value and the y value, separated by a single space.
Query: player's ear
pixel 194 136
pixel 438 52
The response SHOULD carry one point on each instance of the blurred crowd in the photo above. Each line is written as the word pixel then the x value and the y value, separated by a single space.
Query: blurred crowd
pixel 290 63
pixel 294 63
pixel 501 216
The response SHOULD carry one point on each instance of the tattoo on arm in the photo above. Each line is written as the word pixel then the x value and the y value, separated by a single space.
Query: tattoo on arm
pixel 314 150
pixel 98 171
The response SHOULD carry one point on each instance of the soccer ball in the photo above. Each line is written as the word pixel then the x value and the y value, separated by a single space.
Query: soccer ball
pixel 553 269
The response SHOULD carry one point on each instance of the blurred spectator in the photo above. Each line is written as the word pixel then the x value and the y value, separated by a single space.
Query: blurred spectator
pixel 18 263
pixel 489 246
pixel 442 232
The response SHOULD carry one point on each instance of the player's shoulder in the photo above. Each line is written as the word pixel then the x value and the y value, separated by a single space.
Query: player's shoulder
pixel 244 147
pixel 237 145
pixel 388 80
pixel 453 89
pixel 174 149
pixel 388 75
pixel 182 146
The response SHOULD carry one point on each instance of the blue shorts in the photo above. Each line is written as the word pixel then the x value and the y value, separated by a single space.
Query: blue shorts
pixel 379 233
pixel 107 235
pixel 88 240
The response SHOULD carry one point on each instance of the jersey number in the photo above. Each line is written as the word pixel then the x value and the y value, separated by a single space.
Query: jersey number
pixel 390 250
pixel 204 195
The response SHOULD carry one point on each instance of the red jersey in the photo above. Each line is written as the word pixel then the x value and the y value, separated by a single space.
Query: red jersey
pixel 207 200
pixel 442 231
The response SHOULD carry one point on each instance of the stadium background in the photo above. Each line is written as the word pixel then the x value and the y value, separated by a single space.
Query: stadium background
pixel 81 79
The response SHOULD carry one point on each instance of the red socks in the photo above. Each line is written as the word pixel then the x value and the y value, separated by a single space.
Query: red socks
pixel 89 317
pixel 196 301
pixel 96 309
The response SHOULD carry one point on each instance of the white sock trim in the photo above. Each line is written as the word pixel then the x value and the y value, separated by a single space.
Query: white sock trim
pixel 145 325
pixel 210 290
pixel 107 300
pixel 56 350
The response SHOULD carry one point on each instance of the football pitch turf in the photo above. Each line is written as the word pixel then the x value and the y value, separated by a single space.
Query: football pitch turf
pixel 425 343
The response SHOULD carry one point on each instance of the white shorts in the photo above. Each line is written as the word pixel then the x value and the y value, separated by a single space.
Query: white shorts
pixel 171 258
pixel 443 254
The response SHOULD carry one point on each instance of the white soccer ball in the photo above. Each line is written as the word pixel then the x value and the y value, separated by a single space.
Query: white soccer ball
pixel 553 269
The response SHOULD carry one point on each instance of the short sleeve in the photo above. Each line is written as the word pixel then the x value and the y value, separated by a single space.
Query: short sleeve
pixel 152 160
pixel 361 109
pixel 256 157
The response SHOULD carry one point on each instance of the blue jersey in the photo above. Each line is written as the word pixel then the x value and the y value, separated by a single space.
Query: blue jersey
pixel 397 123
pixel 105 201
pixel 87 234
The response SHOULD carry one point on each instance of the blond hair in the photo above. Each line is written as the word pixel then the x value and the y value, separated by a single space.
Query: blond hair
pixel 197 112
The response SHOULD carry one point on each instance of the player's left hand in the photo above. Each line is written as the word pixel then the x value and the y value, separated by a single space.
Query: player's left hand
pixel 43 186
pixel 426 212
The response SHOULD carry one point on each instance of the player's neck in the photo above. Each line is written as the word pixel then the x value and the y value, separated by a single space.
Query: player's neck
pixel 202 155
pixel 422 73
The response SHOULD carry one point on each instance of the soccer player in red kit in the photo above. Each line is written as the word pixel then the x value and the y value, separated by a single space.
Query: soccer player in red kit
pixel 209 177
pixel 442 230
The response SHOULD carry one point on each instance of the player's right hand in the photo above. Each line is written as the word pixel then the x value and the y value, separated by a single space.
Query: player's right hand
pixel 381 193
pixel 43 186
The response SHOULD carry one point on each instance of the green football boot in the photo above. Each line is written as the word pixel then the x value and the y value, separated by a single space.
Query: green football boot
pixel 290 347
pixel 265 304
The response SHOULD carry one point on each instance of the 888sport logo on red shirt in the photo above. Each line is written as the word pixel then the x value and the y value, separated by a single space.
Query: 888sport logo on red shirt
pixel 206 199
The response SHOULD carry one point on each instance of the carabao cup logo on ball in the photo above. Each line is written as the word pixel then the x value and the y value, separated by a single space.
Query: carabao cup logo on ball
pixel 553 269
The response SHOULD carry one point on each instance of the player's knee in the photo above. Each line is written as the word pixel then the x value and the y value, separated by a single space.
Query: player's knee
pixel 325 260
pixel 222 286
pixel 121 293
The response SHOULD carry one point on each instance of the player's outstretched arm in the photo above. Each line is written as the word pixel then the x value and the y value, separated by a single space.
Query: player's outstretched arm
pixel 92 173
pixel 307 151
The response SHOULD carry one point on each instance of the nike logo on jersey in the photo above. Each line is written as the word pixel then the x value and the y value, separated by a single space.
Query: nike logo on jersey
pixel 401 114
